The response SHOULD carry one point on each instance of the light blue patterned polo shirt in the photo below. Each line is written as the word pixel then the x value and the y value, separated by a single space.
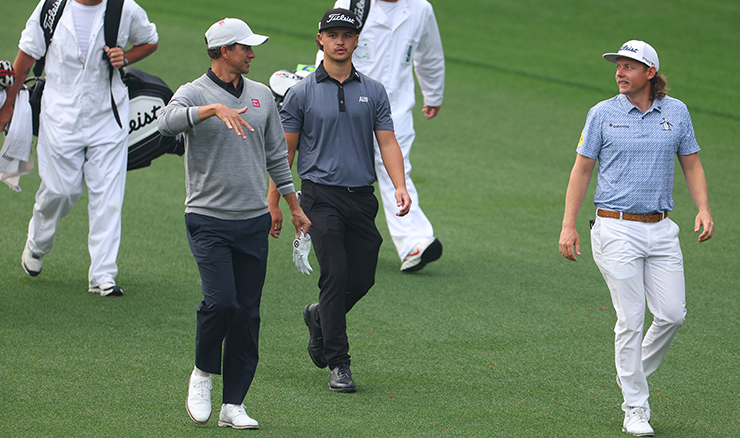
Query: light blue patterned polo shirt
pixel 636 152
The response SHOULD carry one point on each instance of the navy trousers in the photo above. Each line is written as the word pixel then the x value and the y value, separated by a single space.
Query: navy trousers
pixel 232 260
pixel 346 242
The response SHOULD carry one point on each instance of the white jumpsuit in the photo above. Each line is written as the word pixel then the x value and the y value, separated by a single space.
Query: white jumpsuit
pixel 390 53
pixel 79 137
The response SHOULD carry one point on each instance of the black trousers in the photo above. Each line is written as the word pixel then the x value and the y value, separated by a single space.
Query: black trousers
pixel 232 260
pixel 346 242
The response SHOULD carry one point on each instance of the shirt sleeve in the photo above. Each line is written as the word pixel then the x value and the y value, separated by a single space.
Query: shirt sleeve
pixel 591 137
pixel 32 40
pixel 141 30
pixel 688 144
pixel 291 114
pixel 180 115
pixel 383 117
pixel 429 61
pixel 276 153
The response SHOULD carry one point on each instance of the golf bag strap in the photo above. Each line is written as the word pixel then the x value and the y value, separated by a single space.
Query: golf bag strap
pixel 112 23
pixel 51 12
pixel 361 9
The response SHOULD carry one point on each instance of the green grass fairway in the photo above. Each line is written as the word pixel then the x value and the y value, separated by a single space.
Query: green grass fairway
pixel 502 337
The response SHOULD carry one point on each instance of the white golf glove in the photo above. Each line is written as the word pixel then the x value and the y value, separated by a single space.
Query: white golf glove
pixel 301 248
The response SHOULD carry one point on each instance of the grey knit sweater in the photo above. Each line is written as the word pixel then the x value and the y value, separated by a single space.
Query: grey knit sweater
pixel 226 174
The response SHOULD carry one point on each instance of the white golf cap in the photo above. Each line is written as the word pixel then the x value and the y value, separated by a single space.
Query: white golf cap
pixel 637 50
pixel 232 30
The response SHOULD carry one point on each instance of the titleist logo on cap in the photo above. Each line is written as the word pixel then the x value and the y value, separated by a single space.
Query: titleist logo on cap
pixel 340 17
pixel 627 48
pixel 645 60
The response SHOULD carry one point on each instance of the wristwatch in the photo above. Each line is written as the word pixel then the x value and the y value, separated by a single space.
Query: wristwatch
pixel 125 61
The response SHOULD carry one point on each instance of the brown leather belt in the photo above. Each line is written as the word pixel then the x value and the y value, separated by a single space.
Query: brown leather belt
pixel 657 217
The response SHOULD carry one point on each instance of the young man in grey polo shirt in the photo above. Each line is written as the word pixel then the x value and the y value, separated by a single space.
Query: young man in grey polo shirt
pixel 635 137
pixel 331 116
pixel 232 137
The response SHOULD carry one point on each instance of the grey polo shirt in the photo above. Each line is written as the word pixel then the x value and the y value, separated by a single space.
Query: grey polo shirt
pixel 336 122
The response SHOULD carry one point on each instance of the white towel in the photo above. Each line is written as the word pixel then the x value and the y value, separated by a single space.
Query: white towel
pixel 15 155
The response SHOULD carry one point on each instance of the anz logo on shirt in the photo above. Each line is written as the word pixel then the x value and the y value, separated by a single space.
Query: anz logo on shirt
pixel 364 99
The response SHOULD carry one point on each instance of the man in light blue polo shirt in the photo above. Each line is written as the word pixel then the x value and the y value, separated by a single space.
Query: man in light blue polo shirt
pixel 635 136
pixel 331 116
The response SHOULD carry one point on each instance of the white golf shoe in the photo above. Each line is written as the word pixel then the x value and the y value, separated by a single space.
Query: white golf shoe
pixel 235 416
pixel 32 263
pixel 422 254
pixel 107 290
pixel 199 398
pixel 636 424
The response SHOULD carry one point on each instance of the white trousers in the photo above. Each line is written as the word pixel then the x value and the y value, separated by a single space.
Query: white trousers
pixel 62 169
pixel 414 228
pixel 641 261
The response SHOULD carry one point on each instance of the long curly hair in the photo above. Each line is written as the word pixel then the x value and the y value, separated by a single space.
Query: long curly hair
pixel 658 86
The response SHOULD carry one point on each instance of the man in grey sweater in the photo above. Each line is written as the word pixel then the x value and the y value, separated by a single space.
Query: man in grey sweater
pixel 226 214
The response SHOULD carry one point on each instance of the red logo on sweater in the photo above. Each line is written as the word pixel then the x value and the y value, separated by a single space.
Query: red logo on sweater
pixel 255 103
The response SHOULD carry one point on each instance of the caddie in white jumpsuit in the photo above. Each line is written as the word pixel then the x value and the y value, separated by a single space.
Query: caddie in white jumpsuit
pixel 635 137
pixel 79 138
pixel 398 37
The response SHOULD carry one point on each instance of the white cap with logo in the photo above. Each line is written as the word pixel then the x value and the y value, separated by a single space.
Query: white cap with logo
pixel 637 50
pixel 232 30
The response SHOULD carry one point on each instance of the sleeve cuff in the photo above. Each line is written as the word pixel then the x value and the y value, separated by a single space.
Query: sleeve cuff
pixel 286 189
